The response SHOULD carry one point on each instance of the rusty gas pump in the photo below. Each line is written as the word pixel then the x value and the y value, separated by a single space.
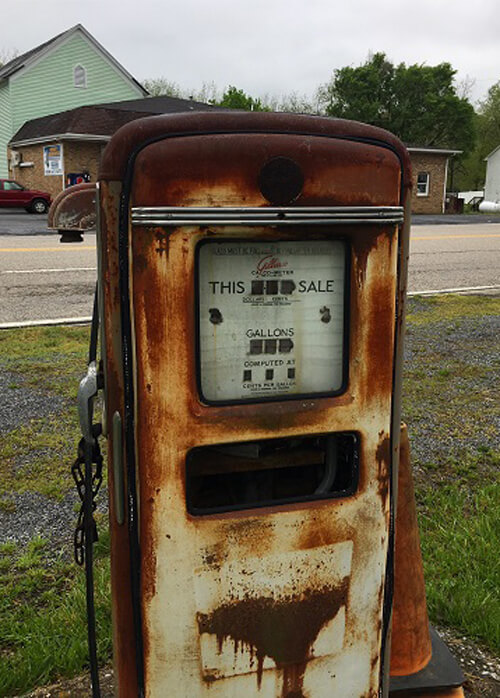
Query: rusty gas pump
pixel 73 212
pixel 252 272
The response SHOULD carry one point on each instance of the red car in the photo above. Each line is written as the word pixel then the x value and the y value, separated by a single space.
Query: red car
pixel 14 195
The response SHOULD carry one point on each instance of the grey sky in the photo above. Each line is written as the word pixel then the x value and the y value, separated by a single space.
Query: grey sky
pixel 269 46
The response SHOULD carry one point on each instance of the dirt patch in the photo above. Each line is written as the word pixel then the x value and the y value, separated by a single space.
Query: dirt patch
pixel 481 668
pixel 79 687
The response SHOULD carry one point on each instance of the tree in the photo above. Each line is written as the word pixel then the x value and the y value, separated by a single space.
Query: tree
pixel 162 86
pixel 296 103
pixel 233 98
pixel 208 93
pixel 472 169
pixel 7 55
pixel 418 103
pixel 489 120
pixel 362 93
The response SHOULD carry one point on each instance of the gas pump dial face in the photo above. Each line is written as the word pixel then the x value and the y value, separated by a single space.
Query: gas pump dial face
pixel 271 319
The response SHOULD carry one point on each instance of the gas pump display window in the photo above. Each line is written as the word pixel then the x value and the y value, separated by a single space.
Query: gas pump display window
pixel 271 319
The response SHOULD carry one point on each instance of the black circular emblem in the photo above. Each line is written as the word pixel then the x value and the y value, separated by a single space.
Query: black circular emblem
pixel 281 181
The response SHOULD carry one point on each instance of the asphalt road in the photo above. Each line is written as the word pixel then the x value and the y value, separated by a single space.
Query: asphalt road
pixel 18 222
pixel 40 278
pixel 445 257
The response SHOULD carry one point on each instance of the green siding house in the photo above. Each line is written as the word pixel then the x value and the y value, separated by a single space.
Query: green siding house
pixel 70 70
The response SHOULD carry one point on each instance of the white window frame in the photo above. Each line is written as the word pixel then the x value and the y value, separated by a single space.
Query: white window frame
pixel 82 83
pixel 427 176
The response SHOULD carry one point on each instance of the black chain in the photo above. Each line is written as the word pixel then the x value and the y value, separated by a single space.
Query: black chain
pixel 77 470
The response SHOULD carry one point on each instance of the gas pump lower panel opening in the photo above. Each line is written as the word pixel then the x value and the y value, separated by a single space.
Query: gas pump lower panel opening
pixel 271 472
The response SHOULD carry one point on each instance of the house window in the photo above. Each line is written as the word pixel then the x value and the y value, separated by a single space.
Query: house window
pixel 80 76
pixel 423 179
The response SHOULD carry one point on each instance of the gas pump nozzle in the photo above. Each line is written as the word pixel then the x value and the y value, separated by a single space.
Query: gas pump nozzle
pixel 87 391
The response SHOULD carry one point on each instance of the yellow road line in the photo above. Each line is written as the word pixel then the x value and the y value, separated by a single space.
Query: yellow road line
pixel 44 249
pixel 453 237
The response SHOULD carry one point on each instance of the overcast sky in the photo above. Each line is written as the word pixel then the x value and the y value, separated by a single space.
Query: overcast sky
pixel 269 47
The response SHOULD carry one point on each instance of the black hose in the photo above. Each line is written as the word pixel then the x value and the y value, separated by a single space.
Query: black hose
pixel 89 523
pixel 94 328
pixel 90 536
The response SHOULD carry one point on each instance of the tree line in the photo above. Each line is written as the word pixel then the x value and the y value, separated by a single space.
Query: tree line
pixel 420 104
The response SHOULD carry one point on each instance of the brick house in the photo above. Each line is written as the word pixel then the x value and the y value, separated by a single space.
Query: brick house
pixel 79 135
pixel 70 70
pixel 430 174
pixel 82 133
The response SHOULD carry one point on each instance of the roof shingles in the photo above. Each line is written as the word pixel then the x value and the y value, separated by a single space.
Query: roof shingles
pixel 103 119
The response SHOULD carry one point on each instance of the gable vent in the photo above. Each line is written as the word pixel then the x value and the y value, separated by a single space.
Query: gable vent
pixel 80 76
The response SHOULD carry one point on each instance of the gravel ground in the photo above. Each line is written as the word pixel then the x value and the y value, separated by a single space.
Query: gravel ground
pixel 36 515
pixel 20 404
pixel 481 669
pixel 451 343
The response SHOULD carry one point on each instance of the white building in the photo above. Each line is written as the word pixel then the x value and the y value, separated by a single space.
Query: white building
pixel 491 203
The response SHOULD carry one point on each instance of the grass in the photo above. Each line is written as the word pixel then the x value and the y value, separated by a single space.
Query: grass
pixel 460 533
pixel 42 610
pixel 42 606
pixel 35 456
pixel 450 402
pixel 450 308
pixel 43 343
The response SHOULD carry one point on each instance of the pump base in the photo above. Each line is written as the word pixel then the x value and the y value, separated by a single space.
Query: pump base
pixel 70 236
pixel 442 677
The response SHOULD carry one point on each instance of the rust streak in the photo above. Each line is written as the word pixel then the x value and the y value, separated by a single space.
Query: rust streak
pixel 163 240
pixel 383 456
pixel 283 630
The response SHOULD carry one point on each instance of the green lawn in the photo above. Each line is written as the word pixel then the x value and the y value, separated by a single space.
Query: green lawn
pixel 42 605
pixel 451 402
